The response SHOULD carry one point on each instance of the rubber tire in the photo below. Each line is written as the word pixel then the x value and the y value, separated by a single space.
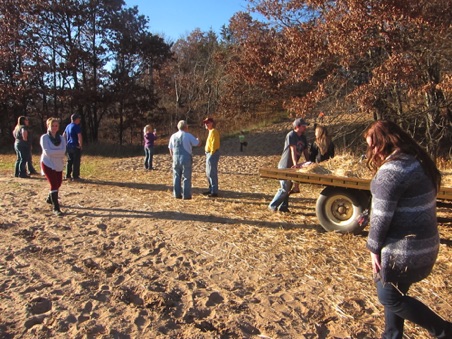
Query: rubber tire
pixel 351 203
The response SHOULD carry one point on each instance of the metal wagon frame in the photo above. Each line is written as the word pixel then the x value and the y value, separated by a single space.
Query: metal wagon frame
pixel 342 203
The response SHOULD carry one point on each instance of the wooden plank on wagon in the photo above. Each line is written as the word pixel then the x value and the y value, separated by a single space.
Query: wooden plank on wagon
pixel 444 193
pixel 314 178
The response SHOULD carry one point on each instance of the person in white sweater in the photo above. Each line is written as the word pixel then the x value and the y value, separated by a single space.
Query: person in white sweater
pixel 52 161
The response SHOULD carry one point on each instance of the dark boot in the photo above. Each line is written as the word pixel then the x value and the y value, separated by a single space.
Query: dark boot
pixel 56 204
pixel 49 199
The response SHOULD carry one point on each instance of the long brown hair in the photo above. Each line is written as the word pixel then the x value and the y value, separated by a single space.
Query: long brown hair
pixel 386 138
pixel 323 141
pixel 20 124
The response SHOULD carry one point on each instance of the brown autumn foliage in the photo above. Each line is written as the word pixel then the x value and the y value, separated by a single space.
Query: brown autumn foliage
pixel 387 59
pixel 371 59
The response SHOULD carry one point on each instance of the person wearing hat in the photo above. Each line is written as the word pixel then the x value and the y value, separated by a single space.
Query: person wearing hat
pixel 212 157
pixel 73 136
pixel 295 145
pixel 180 147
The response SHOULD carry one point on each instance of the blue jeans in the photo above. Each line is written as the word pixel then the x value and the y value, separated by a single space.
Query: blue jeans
pixel 399 307
pixel 148 157
pixel 212 171
pixel 281 199
pixel 182 171
pixel 23 156
pixel 30 166
pixel 74 156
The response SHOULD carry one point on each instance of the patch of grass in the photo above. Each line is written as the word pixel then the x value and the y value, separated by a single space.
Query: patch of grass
pixel 112 150
pixel 7 162
pixel 97 166
pixel 92 166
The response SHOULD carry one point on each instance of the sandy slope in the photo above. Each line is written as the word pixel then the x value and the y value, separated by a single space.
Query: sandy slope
pixel 130 261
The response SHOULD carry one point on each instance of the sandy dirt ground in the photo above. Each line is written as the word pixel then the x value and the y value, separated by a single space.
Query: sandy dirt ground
pixel 129 261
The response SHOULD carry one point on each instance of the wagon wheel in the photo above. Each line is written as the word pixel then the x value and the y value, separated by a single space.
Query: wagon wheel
pixel 338 209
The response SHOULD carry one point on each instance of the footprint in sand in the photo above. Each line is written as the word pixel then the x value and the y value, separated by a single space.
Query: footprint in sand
pixel 30 322
pixel 142 319
pixel 103 294
pixel 215 298
pixel 39 305
pixel 65 323
pixel 84 315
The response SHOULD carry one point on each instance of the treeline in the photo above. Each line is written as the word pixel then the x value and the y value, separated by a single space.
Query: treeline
pixel 371 59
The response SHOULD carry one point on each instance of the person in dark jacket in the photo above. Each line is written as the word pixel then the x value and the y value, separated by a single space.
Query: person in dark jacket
pixel 403 238
pixel 323 147
pixel 320 150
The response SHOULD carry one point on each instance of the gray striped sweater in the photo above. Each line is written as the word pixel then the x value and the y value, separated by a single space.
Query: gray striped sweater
pixel 403 226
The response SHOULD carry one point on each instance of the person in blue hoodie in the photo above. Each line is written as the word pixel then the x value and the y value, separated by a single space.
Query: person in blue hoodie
pixel 74 142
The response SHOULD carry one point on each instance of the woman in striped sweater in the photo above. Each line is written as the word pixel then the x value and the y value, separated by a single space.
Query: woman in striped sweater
pixel 403 237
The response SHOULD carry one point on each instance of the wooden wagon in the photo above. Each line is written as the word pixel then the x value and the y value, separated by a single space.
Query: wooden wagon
pixel 342 203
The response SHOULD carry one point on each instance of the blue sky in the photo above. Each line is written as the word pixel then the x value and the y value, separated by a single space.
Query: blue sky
pixel 176 18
